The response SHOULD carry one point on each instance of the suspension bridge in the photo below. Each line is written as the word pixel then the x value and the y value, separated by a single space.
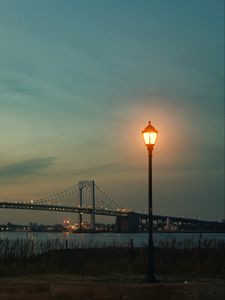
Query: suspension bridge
pixel 86 197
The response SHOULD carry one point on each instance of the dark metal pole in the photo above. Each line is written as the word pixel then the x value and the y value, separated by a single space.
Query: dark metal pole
pixel 93 206
pixel 150 264
pixel 80 215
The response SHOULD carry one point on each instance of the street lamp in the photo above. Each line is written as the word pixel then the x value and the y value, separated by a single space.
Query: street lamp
pixel 150 136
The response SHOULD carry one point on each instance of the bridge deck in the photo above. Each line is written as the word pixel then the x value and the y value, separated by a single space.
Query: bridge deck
pixel 103 212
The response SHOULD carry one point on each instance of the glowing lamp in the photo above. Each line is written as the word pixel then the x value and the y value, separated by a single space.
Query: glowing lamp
pixel 150 135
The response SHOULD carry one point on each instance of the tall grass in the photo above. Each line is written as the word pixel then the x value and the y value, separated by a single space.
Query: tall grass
pixel 55 256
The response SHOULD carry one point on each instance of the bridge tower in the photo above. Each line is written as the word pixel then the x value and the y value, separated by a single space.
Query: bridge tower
pixel 90 185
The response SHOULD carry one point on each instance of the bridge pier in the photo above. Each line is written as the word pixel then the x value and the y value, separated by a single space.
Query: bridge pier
pixel 128 224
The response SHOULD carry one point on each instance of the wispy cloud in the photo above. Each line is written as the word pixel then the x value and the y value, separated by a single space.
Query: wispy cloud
pixel 112 167
pixel 26 167
pixel 15 90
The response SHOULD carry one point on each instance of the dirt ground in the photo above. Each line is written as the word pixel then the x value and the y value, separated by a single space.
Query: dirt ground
pixel 73 288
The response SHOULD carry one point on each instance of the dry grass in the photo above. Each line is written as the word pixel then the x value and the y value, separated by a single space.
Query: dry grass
pixel 23 257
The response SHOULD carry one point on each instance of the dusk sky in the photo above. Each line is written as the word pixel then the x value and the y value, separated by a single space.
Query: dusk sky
pixel 79 80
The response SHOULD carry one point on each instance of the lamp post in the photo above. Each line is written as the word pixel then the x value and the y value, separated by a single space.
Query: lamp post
pixel 150 136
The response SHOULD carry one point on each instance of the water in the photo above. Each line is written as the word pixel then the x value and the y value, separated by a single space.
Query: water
pixel 85 240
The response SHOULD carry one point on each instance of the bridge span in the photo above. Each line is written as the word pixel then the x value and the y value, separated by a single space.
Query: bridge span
pixel 128 222
pixel 88 198
pixel 61 208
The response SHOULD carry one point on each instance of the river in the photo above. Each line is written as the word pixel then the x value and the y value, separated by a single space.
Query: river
pixel 84 240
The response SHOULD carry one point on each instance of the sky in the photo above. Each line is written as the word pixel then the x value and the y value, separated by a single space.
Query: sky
pixel 79 81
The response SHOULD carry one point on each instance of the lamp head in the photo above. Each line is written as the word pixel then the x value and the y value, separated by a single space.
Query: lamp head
pixel 150 135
